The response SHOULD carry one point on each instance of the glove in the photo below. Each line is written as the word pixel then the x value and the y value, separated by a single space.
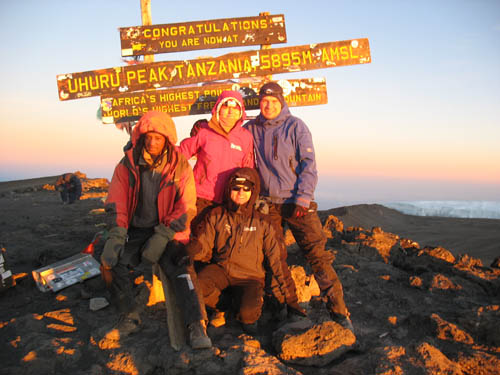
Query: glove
pixel 114 246
pixel 299 211
pixel 197 126
pixel 296 309
pixel 154 248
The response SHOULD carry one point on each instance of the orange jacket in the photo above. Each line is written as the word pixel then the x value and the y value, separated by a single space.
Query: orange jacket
pixel 177 196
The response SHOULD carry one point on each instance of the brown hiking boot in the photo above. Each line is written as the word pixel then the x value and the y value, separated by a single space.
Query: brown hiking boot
pixel 198 335
pixel 218 319
pixel 127 325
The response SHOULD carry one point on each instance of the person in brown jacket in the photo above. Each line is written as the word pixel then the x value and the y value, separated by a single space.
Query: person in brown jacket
pixel 238 241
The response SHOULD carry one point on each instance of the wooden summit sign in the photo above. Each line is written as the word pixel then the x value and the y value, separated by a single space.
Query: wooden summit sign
pixel 194 100
pixel 230 66
pixel 189 36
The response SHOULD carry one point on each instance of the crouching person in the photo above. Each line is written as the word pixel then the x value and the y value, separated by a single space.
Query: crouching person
pixel 152 201
pixel 70 188
pixel 237 241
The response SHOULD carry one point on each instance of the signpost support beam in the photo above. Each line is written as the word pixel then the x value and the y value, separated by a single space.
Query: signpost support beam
pixel 146 21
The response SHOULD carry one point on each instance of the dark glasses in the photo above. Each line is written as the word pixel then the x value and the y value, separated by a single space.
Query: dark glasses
pixel 238 188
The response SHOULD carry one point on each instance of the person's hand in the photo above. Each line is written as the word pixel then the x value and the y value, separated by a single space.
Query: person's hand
pixel 299 211
pixel 296 309
pixel 113 247
pixel 155 246
pixel 197 126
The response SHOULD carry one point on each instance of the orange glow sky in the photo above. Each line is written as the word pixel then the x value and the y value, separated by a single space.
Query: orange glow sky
pixel 422 121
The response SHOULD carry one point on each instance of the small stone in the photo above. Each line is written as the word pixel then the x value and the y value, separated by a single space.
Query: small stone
pixel 98 303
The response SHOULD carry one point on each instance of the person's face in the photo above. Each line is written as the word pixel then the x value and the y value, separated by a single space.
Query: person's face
pixel 240 194
pixel 229 114
pixel 154 143
pixel 270 107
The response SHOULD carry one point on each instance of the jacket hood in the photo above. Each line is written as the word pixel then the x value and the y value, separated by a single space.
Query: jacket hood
pixel 158 122
pixel 224 97
pixel 248 174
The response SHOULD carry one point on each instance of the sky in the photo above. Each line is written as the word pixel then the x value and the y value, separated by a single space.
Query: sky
pixel 420 122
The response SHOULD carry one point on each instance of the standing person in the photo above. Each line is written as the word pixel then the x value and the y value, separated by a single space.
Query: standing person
pixel 237 241
pixel 151 200
pixel 286 163
pixel 70 187
pixel 220 146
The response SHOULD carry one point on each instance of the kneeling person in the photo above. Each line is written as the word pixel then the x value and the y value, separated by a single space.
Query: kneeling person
pixel 237 241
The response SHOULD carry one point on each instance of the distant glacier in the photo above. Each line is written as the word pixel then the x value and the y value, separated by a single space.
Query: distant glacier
pixel 463 209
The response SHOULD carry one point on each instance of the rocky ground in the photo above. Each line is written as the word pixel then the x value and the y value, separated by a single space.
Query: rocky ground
pixel 416 308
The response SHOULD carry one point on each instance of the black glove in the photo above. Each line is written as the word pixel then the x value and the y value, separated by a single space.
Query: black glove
pixel 114 246
pixel 299 211
pixel 197 126
pixel 154 248
pixel 296 309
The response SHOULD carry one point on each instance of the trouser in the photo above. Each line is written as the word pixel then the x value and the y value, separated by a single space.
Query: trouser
pixel 308 233
pixel 213 280
pixel 70 195
pixel 183 278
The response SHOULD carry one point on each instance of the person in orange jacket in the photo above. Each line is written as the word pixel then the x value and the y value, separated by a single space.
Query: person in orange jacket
pixel 151 202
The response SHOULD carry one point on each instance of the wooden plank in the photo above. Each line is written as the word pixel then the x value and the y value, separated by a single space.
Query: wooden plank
pixel 194 100
pixel 196 35
pixel 230 66
pixel 175 321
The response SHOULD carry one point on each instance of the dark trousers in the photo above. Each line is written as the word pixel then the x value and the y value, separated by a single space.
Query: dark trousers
pixel 70 195
pixel 183 278
pixel 213 280
pixel 308 233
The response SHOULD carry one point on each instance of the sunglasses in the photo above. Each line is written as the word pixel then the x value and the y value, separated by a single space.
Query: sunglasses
pixel 239 188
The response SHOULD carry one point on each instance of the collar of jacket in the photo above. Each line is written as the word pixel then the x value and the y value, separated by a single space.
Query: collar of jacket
pixel 277 121
pixel 157 165
pixel 216 127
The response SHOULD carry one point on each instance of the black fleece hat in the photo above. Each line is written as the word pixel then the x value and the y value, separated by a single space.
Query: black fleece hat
pixel 272 89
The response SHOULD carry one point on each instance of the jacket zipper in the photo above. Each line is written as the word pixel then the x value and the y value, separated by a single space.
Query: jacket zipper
pixel 275 147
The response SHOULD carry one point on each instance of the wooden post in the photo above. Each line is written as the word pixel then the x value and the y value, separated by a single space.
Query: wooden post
pixel 146 21
pixel 269 77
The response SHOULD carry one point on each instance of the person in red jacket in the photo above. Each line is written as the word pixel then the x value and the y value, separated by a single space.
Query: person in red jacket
pixel 151 201
pixel 238 243
pixel 220 145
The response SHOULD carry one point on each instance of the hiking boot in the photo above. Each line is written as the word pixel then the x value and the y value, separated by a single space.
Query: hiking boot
pixel 126 325
pixel 250 328
pixel 343 320
pixel 218 319
pixel 198 335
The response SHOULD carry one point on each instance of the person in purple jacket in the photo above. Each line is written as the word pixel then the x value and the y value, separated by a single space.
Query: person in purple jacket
pixel 285 159
pixel 220 145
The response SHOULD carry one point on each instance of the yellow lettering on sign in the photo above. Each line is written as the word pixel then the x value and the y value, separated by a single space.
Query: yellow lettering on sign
pixel 352 55
pixel 141 76
pixel 211 66
pixel 162 73
pixel 190 71
pixel 130 76
pixel 168 43
pixel 178 69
